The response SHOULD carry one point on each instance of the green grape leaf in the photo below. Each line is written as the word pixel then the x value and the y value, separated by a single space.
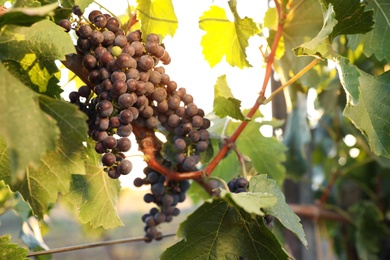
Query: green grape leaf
pixel 219 230
pixel 224 102
pixel 81 3
pixel 95 194
pixel 369 111
pixel 11 251
pixel 71 121
pixel 226 38
pixel 40 186
pixel 251 202
pixel 280 210
pixel 320 46
pixel 266 154
pixel 306 14
pixel 157 16
pixel 27 142
pixel 271 19
pixel 26 16
pixel 370 229
pixel 34 50
pixel 351 17
pixel 376 41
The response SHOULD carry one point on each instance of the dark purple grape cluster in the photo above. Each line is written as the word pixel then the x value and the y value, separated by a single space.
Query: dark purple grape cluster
pixel 165 195
pixel 238 185
pixel 129 89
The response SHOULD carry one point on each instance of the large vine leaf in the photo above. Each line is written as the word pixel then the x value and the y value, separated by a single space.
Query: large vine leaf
pixel 224 102
pixel 95 194
pixel 369 111
pixel 280 210
pixel 226 38
pixel 26 16
pixel 157 16
pixel 351 17
pixel 219 230
pixel 28 132
pixel 70 120
pixel 30 52
pixel 304 14
pixel 320 45
pixel 40 186
pixel 11 251
pixel 375 42
pixel 266 154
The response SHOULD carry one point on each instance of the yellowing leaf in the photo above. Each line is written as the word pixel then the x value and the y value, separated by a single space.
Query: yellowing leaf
pixel 226 38
pixel 157 16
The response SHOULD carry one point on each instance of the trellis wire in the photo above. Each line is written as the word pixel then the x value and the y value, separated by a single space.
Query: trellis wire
pixel 91 245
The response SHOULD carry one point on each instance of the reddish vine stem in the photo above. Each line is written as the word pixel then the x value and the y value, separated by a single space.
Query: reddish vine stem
pixel 209 169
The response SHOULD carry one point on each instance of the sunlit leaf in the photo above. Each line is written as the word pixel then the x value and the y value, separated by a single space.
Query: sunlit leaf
pixel 224 102
pixel 95 194
pixel 226 38
pixel 157 16
pixel 11 251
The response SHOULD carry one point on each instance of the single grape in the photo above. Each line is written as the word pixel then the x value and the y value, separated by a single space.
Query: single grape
pixel 138 48
pixel 126 100
pixel 151 123
pixel 116 51
pixel 187 99
pixel 147 112
pixel 114 122
pixel 201 146
pixel 191 109
pixel 100 21
pixel 93 14
pixel 118 75
pixel 167 200
pixel 108 159
pixel 241 182
pixel 180 144
pixel 148 198
pixel 110 142
pixel 113 173
pixel 123 144
pixel 99 148
pixel 104 108
pixel 126 117
pixel 124 61
pixel 74 96
pixel 132 74
pixel 113 24
pixel 155 77
pixel 124 130
pixel 189 163
pixel 77 11
pixel 102 123
pixel 144 76
pixel 153 177
pixel 128 49
pixel 89 61
pixel 171 86
pixel 174 102
pixel 159 94
pixel 176 212
pixel 153 38
pixel 194 136
pixel 100 136
pixel 159 217
pixel 125 167
pixel 96 37
pixel 120 41
pixel 145 62
pixel 138 182
pixel 94 76
pixel 108 38
pixel 134 36
pixel 174 120
pixel 119 87
pixel 64 23
pixel 197 121
pixel 163 106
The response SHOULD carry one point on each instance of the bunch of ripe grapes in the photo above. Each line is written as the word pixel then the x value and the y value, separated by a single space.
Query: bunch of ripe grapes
pixel 128 90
